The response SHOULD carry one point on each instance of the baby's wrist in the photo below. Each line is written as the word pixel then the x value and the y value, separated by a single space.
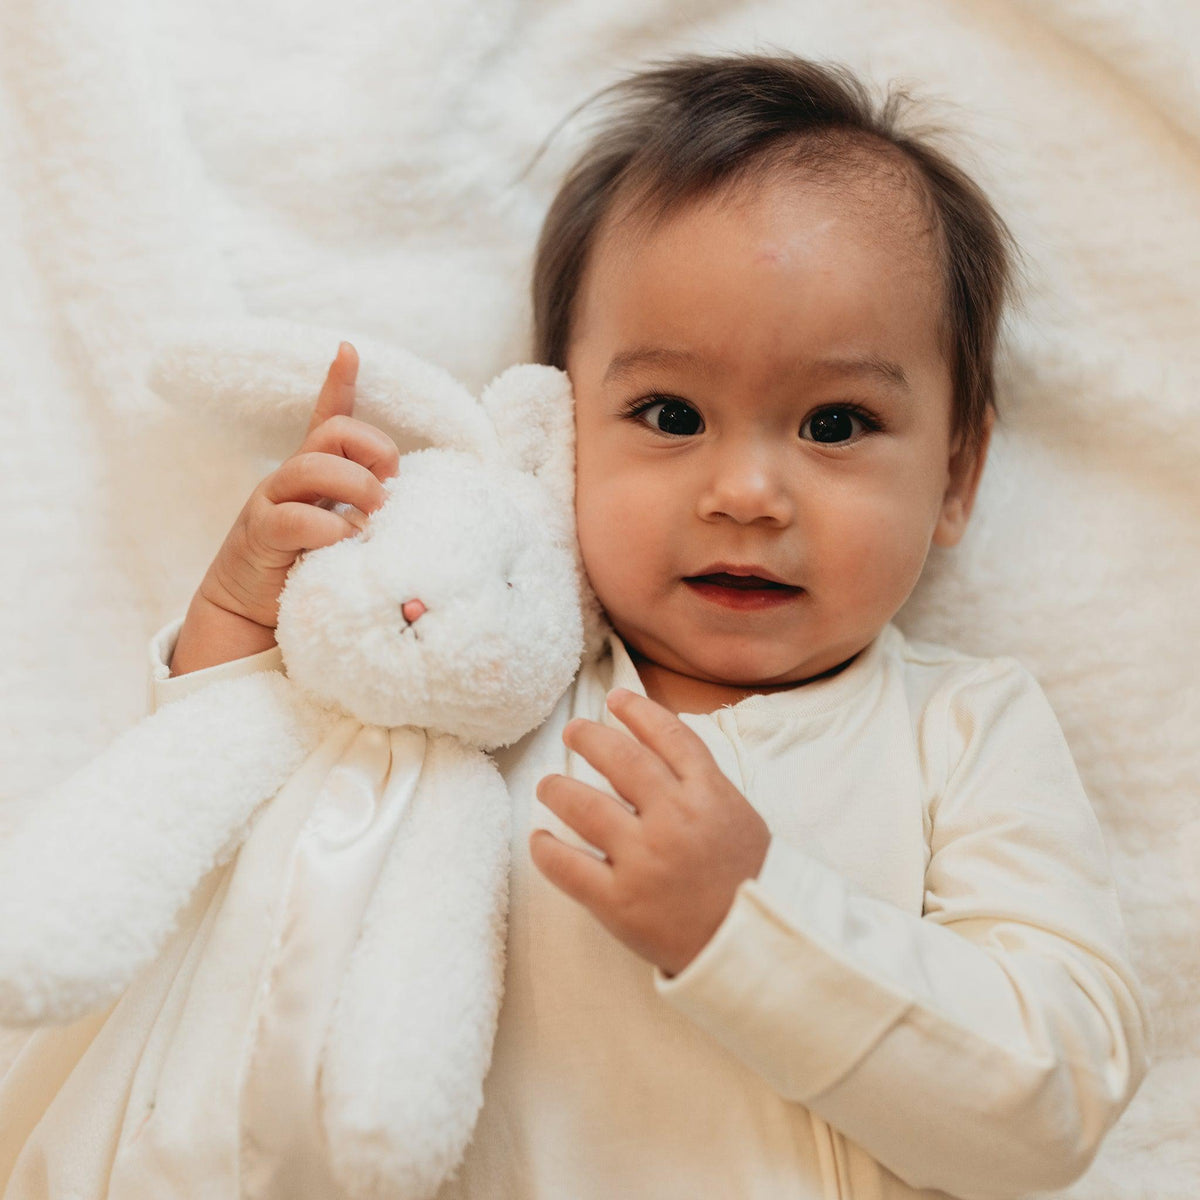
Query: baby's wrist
pixel 211 635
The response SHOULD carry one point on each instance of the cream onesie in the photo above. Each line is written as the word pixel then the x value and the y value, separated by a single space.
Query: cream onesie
pixel 925 991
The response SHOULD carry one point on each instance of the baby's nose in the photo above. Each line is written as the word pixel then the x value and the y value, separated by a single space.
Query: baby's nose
pixel 412 609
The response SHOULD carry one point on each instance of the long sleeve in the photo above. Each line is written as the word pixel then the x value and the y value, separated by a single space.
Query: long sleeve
pixel 986 1047
pixel 161 688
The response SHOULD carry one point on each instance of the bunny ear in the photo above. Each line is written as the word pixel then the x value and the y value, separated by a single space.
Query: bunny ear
pixel 261 376
pixel 532 409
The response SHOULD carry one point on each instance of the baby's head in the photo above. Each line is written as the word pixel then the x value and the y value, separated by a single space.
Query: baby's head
pixel 778 314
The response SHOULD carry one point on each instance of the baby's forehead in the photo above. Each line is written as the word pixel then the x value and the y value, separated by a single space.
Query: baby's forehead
pixel 790 270
pixel 867 177
pixel 866 241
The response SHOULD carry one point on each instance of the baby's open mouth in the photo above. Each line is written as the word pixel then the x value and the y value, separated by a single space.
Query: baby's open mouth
pixel 745 582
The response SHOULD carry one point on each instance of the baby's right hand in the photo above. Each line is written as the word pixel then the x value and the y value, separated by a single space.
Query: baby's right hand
pixel 340 460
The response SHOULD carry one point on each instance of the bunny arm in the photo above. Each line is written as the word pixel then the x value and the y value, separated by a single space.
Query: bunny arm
pixel 410 1040
pixel 92 881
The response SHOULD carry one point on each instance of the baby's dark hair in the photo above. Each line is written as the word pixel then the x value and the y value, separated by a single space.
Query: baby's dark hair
pixel 688 126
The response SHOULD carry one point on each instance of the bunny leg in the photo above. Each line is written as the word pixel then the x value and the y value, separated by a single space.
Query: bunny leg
pixel 93 879
pixel 411 1037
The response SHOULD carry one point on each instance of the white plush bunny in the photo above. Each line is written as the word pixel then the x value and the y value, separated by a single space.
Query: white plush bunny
pixel 290 890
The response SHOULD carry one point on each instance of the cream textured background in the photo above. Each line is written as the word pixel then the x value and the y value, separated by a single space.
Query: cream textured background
pixel 357 165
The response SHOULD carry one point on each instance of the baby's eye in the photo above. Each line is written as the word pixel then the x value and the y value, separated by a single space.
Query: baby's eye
pixel 677 418
pixel 836 424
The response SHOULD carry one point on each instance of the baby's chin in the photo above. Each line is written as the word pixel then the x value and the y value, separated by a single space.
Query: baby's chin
pixel 704 666
pixel 739 667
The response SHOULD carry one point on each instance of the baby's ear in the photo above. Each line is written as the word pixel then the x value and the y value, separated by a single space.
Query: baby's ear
pixel 532 409
pixel 965 469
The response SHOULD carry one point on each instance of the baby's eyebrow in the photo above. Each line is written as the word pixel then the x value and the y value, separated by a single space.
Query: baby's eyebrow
pixel 869 364
pixel 626 362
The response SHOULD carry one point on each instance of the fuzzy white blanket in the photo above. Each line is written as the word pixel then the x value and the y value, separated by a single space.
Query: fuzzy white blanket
pixel 359 166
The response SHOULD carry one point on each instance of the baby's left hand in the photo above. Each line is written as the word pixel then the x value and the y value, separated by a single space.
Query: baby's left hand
pixel 672 868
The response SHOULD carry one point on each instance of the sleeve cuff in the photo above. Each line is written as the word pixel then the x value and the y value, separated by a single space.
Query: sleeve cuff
pixel 770 987
pixel 163 689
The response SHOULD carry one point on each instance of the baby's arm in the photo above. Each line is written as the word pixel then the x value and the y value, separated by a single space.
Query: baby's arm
pixel 165 686
pixel 211 635
pixel 985 1048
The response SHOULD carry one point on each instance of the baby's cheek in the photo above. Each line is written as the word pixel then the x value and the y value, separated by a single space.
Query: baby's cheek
pixel 592 528
pixel 877 550
pixel 607 553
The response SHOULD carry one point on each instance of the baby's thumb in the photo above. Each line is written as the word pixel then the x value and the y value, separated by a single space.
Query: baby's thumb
pixel 337 393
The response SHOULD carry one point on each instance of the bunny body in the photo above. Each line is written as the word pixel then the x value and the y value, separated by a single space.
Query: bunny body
pixel 222 1038
pixel 290 890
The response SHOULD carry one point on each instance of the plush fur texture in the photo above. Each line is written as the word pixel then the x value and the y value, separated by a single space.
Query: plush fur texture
pixel 360 170
pixel 95 877
pixel 94 880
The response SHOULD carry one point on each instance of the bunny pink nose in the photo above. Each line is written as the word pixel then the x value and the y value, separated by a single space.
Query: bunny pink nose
pixel 412 609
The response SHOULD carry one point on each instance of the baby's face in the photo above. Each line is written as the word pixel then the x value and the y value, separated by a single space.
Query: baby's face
pixel 796 415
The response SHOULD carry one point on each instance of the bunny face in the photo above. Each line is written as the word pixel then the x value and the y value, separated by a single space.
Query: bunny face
pixel 483 548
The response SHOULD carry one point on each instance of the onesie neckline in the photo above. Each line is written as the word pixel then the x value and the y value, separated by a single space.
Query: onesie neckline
pixel 805 700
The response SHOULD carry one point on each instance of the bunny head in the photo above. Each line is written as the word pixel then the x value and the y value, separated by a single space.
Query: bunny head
pixel 462 605
pixel 455 609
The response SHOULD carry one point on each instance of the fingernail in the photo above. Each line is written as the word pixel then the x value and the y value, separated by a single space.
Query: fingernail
pixel 617 695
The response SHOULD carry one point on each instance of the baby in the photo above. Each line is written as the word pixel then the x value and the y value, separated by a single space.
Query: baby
pixel 799 907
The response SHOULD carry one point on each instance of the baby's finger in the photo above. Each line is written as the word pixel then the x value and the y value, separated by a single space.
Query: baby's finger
pixel 659 729
pixel 636 772
pixel 292 527
pixel 357 440
pixel 337 393
pixel 310 477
